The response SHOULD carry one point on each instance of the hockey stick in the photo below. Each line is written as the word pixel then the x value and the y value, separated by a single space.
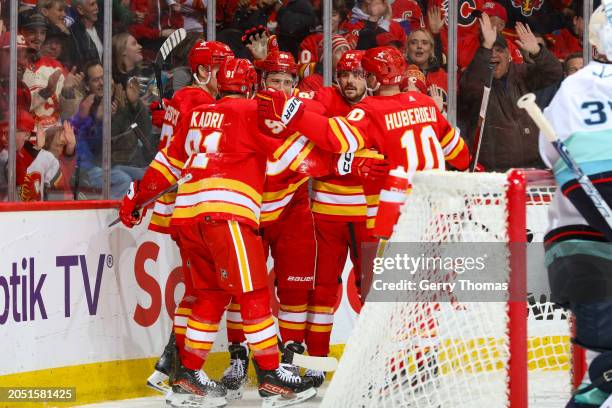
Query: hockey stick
pixel 527 102
pixel 311 362
pixel 170 44
pixel 482 117
pixel 165 191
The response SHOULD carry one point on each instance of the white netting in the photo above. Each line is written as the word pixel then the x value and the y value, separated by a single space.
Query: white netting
pixel 452 353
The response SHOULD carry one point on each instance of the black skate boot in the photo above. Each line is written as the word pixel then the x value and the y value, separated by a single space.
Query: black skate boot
pixel 296 348
pixel 235 376
pixel 159 380
pixel 317 377
pixel 193 388
pixel 282 388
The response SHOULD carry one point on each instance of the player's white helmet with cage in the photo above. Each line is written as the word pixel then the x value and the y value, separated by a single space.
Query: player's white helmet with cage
pixel 600 29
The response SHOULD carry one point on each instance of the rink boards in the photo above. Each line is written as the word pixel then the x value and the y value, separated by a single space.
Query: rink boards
pixel 87 306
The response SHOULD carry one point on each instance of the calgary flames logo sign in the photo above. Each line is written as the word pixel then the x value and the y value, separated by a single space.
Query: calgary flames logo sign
pixel 527 6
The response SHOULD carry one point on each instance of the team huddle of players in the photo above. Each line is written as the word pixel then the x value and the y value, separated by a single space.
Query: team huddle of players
pixel 243 159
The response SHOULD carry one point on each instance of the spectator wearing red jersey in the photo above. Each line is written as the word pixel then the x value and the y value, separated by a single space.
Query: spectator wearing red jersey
pixel 568 40
pixel 155 22
pixel 53 89
pixel 369 20
pixel 24 98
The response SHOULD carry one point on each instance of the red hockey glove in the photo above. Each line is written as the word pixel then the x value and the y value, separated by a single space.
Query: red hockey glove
pixel 158 113
pixel 129 212
pixel 371 167
pixel 273 105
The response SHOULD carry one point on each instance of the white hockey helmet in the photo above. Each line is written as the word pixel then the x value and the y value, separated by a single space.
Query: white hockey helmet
pixel 600 29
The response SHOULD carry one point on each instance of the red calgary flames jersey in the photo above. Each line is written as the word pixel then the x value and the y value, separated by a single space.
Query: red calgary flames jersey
pixel 338 198
pixel 221 148
pixel 407 128
pixel 294 159
pixel 183 101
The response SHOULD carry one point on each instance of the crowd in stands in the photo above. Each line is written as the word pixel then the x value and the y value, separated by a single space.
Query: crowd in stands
pixel 527 45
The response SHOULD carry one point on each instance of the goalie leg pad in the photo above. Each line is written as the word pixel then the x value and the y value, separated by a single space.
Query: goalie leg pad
pixel 594 326
pixel 578 265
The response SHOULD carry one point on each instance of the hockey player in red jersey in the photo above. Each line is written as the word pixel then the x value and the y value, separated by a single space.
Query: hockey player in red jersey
pixel 217 214
pixel 406 127
pixel 339 208
pixel 286 227
pixel 204 60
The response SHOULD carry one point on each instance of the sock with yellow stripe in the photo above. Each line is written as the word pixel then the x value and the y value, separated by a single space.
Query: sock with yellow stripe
pixel 320 319
pixel 259 328
pixel 292 313
pixel 234 324
pixel 202 327
pixel 181 316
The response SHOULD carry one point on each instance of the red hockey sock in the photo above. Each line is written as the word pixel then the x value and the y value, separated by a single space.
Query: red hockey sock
pixel 202 327
pixel 234 324
pixel 320 320
pixel 258 327
pixel 292 313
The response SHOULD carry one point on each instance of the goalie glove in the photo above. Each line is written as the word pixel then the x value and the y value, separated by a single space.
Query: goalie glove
pixel 273 105
pixel 129 211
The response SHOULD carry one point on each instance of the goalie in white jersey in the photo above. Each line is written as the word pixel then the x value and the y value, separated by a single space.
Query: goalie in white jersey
pixel 578 248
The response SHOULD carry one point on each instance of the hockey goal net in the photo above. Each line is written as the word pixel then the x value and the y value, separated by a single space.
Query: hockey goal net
pixel 473 354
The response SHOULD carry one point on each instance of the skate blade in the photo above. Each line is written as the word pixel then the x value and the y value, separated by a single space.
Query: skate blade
pixel 196 401
pixel 233 395
pixel 158 381
pixel 283 401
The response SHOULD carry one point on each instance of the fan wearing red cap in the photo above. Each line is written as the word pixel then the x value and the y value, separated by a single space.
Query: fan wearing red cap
pixel 24 98
pixel 204 59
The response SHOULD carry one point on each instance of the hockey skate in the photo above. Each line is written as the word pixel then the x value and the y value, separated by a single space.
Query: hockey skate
pixel 193 388
pixel 296 348
pixel 235 376
pixel 317 376
pixel 282 388
pixel 164 367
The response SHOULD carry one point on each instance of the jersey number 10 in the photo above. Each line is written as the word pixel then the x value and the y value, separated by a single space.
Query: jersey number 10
pixel 427 145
